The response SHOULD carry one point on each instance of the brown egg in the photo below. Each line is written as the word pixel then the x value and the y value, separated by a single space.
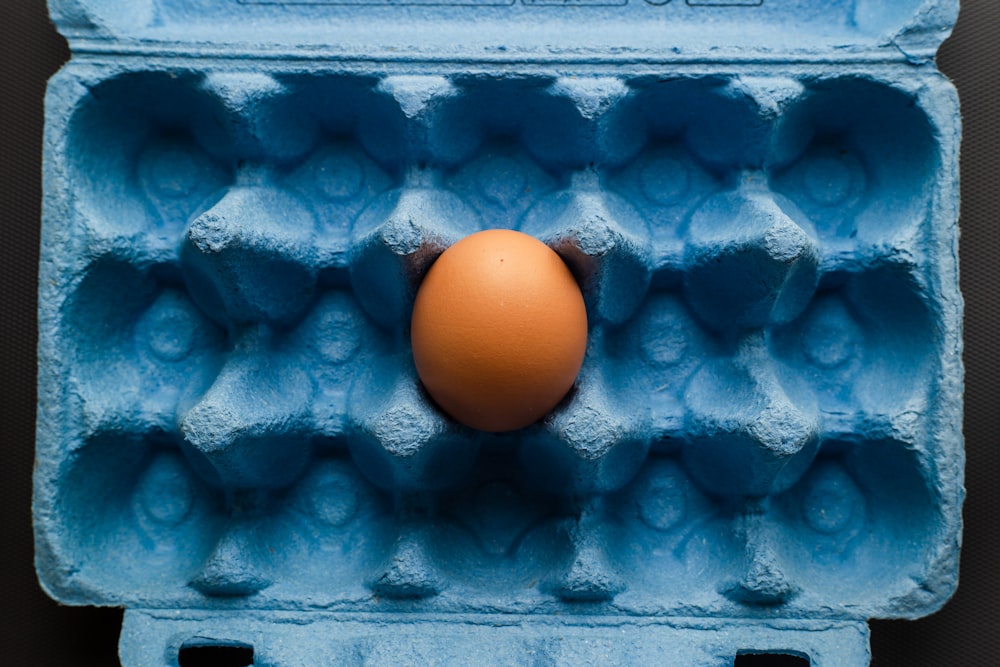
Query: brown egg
pixel 499 330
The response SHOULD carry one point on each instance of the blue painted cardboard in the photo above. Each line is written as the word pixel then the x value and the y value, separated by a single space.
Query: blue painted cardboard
pixel 759 202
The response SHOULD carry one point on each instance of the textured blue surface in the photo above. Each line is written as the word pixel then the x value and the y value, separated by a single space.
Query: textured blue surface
pixel 762 450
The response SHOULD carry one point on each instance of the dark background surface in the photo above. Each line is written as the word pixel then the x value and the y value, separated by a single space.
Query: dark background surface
pixel 36 631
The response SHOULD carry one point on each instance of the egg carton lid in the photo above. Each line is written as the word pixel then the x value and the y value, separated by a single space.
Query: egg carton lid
pixel 521 31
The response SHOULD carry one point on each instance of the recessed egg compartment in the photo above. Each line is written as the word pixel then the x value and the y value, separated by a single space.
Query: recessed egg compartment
pixel 242 427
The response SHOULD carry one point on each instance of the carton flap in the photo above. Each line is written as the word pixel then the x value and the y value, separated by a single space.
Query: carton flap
pixel 506 30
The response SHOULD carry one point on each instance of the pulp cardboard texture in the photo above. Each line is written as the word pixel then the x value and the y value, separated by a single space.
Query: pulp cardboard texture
pixel 762 451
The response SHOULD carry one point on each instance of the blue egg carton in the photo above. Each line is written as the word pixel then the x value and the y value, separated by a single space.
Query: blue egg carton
pixel 761 452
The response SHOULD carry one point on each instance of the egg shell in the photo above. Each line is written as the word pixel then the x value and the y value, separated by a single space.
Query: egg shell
pixel 499 330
